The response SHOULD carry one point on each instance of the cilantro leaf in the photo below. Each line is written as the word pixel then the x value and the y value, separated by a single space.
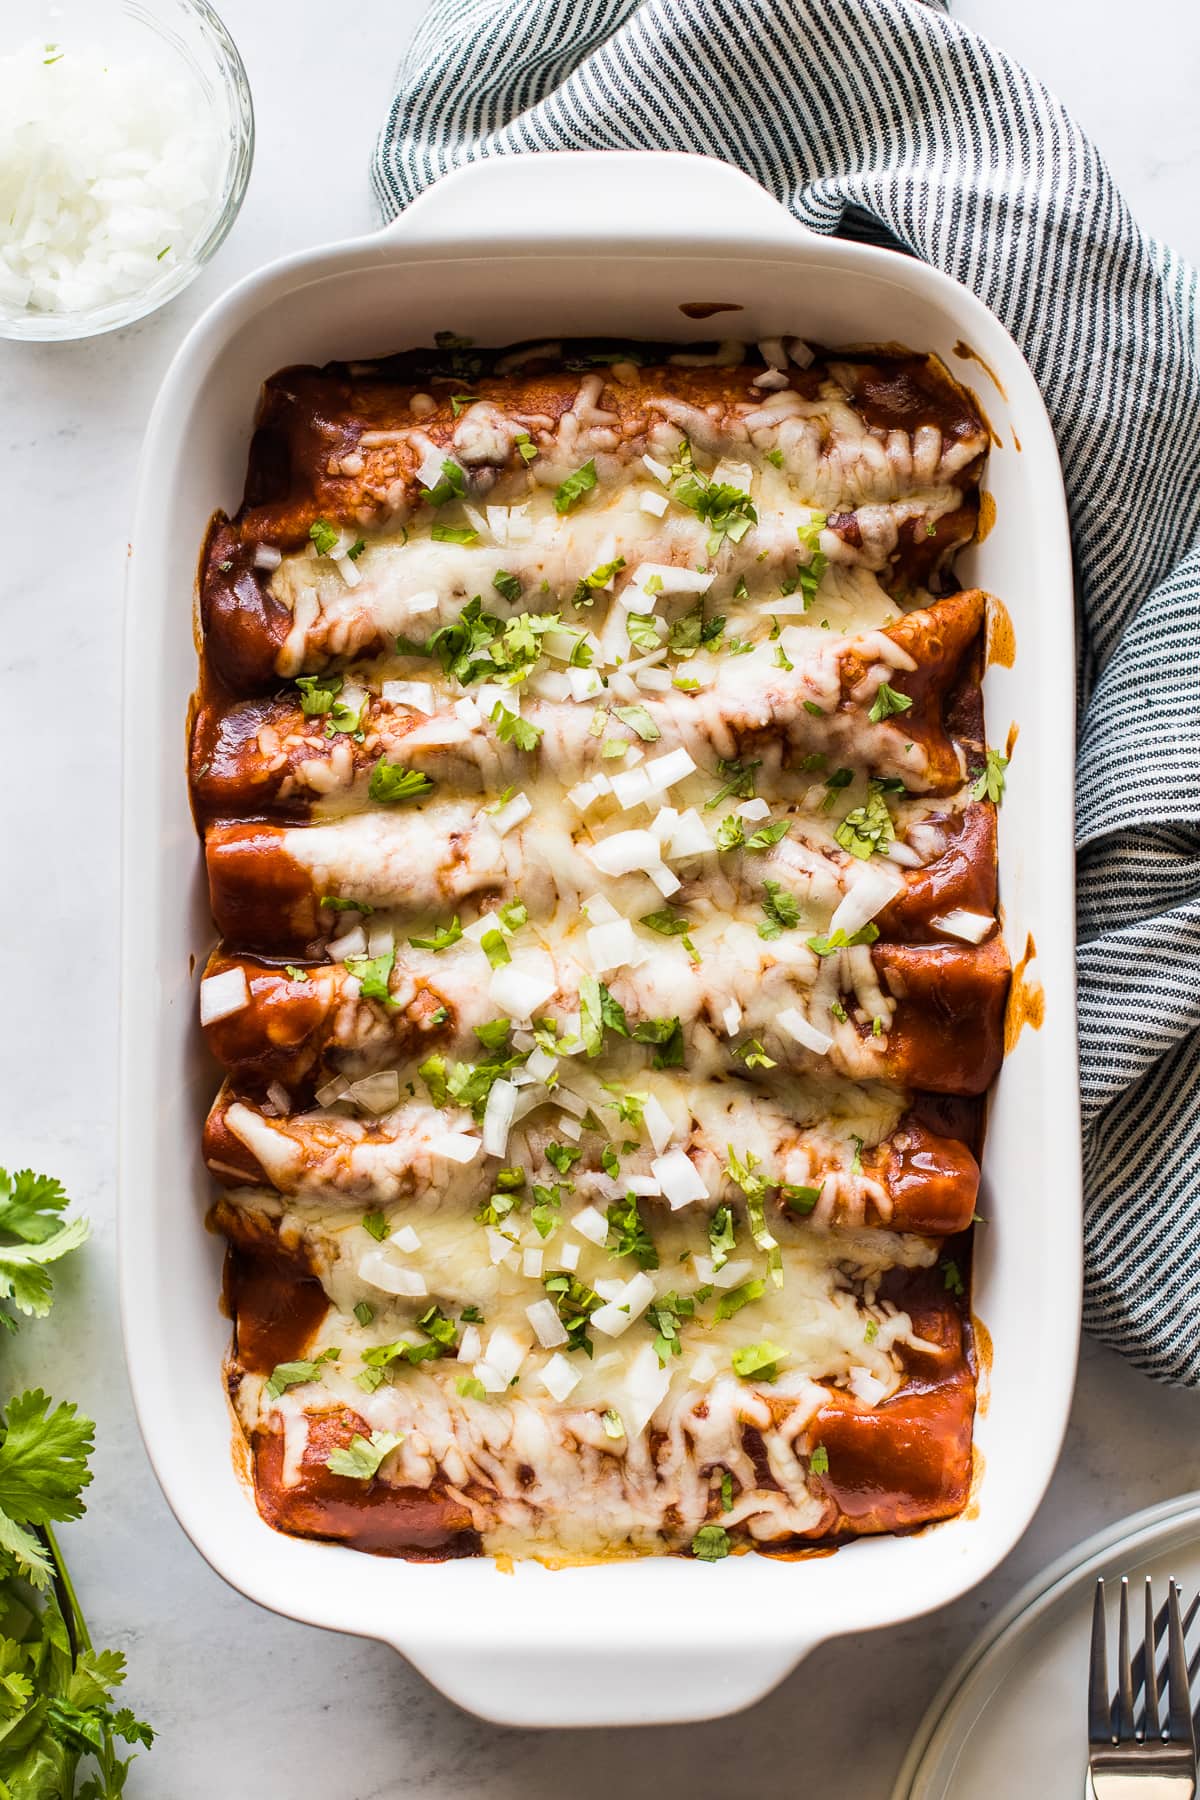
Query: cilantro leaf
pixel 324 536
pixel 887 703
pixel 511 728
pixel 391 783
pixel 571 491
pixel 711 1543
pixel 639 722
pixel 360 1459
pixel 782 911
pixel 867 829
pixel 991 782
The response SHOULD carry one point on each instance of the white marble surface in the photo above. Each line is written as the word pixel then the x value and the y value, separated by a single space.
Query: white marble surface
pixel 248 1705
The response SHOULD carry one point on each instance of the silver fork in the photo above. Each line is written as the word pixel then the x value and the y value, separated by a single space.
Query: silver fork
pixel 1137 1757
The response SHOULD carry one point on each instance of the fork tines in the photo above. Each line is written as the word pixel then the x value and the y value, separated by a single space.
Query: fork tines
pixel 1125 1740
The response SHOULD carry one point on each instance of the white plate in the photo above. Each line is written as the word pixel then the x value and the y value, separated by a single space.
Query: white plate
pixel 1010 1720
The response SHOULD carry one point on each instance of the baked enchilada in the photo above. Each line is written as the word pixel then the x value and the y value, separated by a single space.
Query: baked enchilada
pixel 600 827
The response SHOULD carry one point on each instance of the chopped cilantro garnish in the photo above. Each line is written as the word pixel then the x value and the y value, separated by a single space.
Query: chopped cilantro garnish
pixel 758 1360
pixel 459 402
pixel 372 974
pixel 867 829
pixel 886 703
pixel 800 1199
pixel 754 1056
pixel 782 911
pixel 571 491
pixel 711 1544
pixel 295 974
pixel 574 1303
pixel 721 1236
pixel 627 1227
pixel 454 534
pixel 818 1462
pixel 511 728
pixel 392 783
pixel 733 1301
pixel 507 584
pixel 639 722
pixel 526 448
pixel 470 1387
pixel 952 1277
pixel 739 781
pixel 563 1156
pixel 495 949
pixel 614 1426
pixel 364 1312
pixel 443 937
pixel 375 1225
pixel 671 924
pixel 837 940
pixel 451 485
pixel 334 904
pixel 990 783
pixel 361 1459
pixel 295 1374
pixel 643 630
pixel 768 835
pixel 324 536
pixel 317 693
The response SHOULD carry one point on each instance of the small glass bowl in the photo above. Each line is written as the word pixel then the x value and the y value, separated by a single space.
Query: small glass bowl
pixel 197 39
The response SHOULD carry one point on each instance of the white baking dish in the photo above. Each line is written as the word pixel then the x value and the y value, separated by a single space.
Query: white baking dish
pixel 506 250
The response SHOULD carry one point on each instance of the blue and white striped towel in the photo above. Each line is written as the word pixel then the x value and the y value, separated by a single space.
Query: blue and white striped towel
pixel 885 118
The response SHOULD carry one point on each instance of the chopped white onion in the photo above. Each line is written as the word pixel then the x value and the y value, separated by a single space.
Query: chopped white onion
pixel 497 518
pixel 378 1093
pixel 380 939
pixel 469 1344
pixel 972 927
pixel 646 1388
pixel 731 1018
pixel 417 694
pixel 505 1352
pixel 600 910
pixel 405 1239
pixel 351 943
pixel 663 879
pixel 455 1146
pixel 664 771
pixel 690 837
pixel 616 1316
pixel 532 1263
pixel 732 1274
pixel 380 1270
pixel 266 556
pixel 430 471
pixel 568 1256
pixel 630 788
pixel 570 1128
pixel 673 580
pixel 658 1122
pixel 547 1326
pixel 659 470
pixel 591 1224
pixel 796 1025
pixel 499 1245
pixel 799 352
pixel 655 504
pixel 615 945
pixel 518 991
pixel 224 994
pixel 279 1097
pixel 644 1186
pixel 704 1367
pixel 680 1178
pixel 542 1065
pixel 558 1377
pixel 625 853
pixel 498 1117
pixel 904 854
pixel 874 886
pixel 467 713
pixel 514 813
pixel 754 809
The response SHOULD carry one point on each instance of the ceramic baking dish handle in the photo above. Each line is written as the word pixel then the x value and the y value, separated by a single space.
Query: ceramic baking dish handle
pixel 589 196
pixel 628 1681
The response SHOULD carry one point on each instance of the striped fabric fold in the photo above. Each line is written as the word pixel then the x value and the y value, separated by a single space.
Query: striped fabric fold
pixel 888 120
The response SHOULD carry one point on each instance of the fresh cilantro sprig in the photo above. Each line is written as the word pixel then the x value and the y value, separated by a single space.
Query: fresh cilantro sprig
pixel 60 1734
